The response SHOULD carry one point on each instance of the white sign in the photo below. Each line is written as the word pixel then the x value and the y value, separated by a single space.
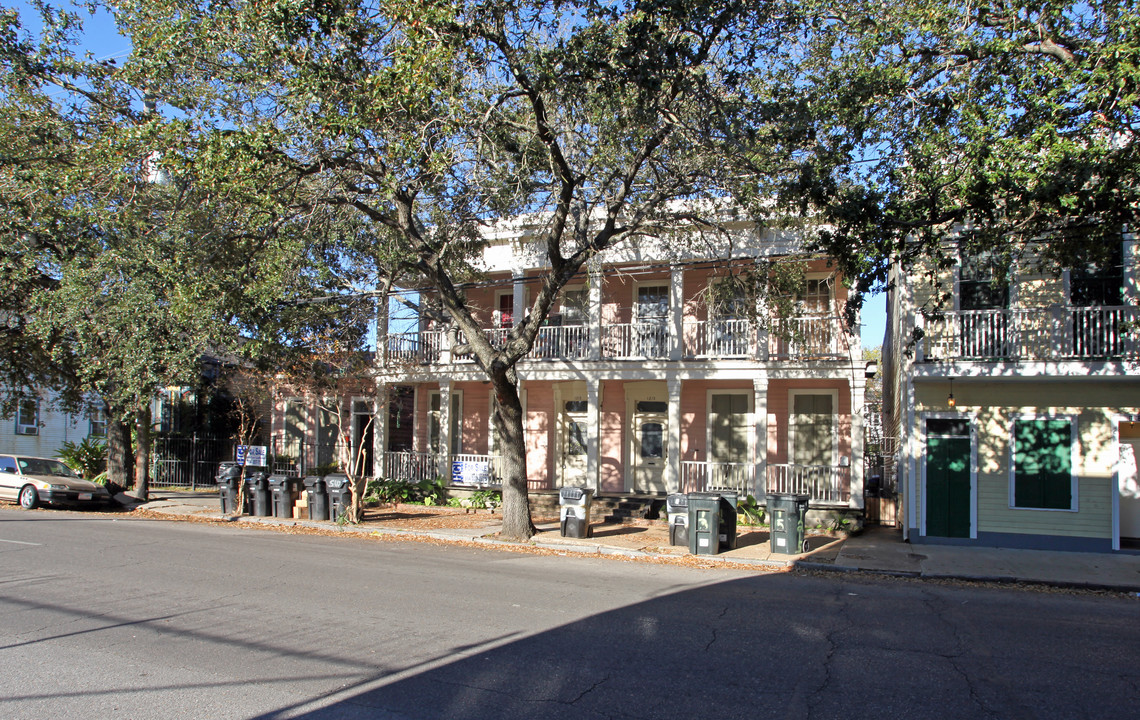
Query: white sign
pixel 470 473
pixel 252 455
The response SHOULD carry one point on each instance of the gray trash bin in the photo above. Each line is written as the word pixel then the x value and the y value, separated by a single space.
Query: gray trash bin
pixel 284 490
pixel 228 477
pixel 575 511
pixel 786 513
pixel 257 489
pixel 704 523
pixel 317 497
pixel 340 495
pixel 677 511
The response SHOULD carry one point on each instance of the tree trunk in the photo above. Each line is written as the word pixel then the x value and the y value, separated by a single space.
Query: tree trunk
pixel 120 466
pixel 508 417
pixel 142 453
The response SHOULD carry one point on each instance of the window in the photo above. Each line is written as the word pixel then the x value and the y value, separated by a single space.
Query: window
pixel 1099 284
pixel 981 282
pixel 8 464
pixel 1043 463
pixel 813 433
pixel 730 427
pixel 28 417
pixel 575 307
pixel 575 437
pixel 97 419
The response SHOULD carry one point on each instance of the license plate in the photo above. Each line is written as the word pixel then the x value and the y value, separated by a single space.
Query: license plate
pixel 84 496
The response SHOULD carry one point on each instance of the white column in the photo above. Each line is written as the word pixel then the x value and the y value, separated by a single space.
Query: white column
pixel 672 475
pixel 676 312
pixel 1131 262
pixel 519 302
pixel 858 391
pixel 760 420
pixel 763 323
pixel 593 431
pixel 595 299
pixel 379 429
pixel 381 358
pixel 445 428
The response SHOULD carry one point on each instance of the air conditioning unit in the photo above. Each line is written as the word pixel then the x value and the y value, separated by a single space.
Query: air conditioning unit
pixel 27 430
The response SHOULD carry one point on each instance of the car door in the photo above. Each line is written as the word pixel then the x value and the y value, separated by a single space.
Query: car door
pixel 9 478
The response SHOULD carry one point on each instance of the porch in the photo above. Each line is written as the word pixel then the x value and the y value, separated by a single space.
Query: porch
pixel 1057 332
pixel 824 484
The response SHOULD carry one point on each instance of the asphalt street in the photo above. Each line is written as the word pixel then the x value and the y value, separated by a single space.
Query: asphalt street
pixel 104 617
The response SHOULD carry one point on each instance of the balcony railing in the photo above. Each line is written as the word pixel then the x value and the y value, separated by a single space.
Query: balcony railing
pixel 804 338
pixel 1050 333
pixel 822 483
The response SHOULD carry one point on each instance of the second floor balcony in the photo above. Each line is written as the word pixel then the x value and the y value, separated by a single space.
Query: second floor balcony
pixel 823 338
pixel 1031 334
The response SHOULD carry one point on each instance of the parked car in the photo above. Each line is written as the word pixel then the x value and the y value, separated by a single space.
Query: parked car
pixel 31 481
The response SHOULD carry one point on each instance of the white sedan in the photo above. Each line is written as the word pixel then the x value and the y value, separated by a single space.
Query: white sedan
pixel 31 481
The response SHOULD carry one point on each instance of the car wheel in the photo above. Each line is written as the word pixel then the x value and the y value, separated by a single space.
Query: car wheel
pixel 29 498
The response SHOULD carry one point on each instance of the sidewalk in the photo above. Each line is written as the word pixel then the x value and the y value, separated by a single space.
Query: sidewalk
pixel 876 550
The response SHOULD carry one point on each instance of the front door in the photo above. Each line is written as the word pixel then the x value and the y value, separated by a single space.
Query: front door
pixel 649 452
pixel 573 435
pixel 948 478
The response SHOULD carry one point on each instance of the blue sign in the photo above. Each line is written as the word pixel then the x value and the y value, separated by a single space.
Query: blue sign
pixel 252 455
pixel 470 473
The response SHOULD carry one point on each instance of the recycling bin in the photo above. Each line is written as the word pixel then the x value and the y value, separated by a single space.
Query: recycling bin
pixel 229 474
pixel 787 512
pixel 317 497
pixel 704 523
pixel 728 518
pixel 677 511
pixel 340 495
pixel 257 490
pixel 574 512
pixel 284 490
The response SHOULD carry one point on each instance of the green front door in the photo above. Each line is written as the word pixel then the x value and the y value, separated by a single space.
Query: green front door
pixel 947 486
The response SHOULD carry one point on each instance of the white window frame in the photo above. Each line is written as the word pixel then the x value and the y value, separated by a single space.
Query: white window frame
pixel 634 315
pixel 792 394
pixel 1074 458
pixel 750 394
pixel 24 426
pixel 96 415
pixel 562 304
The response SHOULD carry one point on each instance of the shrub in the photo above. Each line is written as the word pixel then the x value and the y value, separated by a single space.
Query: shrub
pixel 88 458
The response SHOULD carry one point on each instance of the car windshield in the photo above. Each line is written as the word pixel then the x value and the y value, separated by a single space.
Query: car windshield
pixel 40 466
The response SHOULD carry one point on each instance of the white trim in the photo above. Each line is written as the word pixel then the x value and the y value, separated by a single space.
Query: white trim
pixel 1074 459
pixel 834 393
pixel 750 393
pixel 920 432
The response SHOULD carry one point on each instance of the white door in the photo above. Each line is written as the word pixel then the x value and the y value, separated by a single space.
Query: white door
pixel 649 433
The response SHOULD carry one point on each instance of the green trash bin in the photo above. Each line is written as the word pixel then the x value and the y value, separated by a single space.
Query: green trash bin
pixel 704 523
pixel 786 513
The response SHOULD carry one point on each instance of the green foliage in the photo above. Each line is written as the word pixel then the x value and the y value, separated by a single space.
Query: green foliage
pixel 750 512
pixel 88 457
pixel 486 499
pixel 392 491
